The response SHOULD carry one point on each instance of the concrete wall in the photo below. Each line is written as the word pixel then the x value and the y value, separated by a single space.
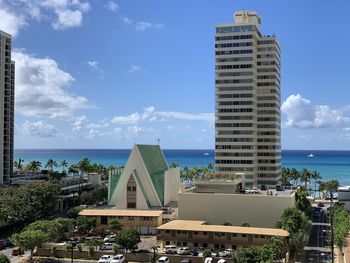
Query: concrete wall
pixel 257 210
pixel 171 185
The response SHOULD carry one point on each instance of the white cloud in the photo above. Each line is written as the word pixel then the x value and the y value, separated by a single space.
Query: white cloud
pixel 94 64
pixel 113 6
pixel 40 88
pixel 39 129
pixel 126 20
pixel 11 22
pixel 62 14
pixel 301 113
pixel 134 68
pixel 150 114
pixel 67 19
pixel 142 26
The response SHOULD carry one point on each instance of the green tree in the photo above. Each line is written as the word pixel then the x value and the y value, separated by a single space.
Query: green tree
pixel 64 165
pixel 298 226
pixel 84 165
pixel 302 203
pixel 114 225
pixel 30 239
pixel 285 176
pixel 4 259
pixel 245 224
pixel 85 224
pixel 18 165
pixel 174 165
pixel 51 164
pixel 315 176
pixel 294 175
pixel 207 253
pixel 341 225
pixel 22 205
pixel 34 166
pixel 128 239
pixel 73 169
pixel 248 255
pixel 329 187
pixel 305 177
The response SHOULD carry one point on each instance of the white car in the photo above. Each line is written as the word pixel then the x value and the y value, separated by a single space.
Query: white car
pixel 184 251
pixel 118 259
pixel 221 260
pixel 226 252
pixel 170 249
pixel 163 260
pixel 109 239
pixel 105 259
pixel 107 246
pixel 208 260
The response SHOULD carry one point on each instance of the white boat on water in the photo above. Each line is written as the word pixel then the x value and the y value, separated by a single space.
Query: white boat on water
pixel 205 154
pixel 311 155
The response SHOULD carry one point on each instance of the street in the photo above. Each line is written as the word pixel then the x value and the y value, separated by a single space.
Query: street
pixel 318 248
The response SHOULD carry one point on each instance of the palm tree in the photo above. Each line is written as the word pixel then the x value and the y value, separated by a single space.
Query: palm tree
pixel 210 168
pixel 34 166
pixel 84 165
pixel 315 176
pixel 285 176
pixel 73 169
pixel 18 164
pixel 51 164
pixel 305 177
pixel 294 175
pixel 63 164
pixel 174 165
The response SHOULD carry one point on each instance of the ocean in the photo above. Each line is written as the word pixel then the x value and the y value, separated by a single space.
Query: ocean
pixel 331 164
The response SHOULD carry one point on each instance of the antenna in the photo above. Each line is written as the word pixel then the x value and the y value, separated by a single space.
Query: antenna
pixel 158 140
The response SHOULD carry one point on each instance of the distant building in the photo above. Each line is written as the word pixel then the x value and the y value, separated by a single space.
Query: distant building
pixel 146 182
pixel 247 83
pixel 7 95
pixel 221 200
pixel 218 237
pixel 344 196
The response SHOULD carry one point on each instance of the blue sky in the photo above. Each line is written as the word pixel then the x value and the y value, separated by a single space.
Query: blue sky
pixel 108 74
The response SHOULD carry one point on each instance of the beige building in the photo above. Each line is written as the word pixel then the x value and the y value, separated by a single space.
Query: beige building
pixel 247 67
pixel 144 221
pixel 219 201
pixel 7 98
pixel 218 237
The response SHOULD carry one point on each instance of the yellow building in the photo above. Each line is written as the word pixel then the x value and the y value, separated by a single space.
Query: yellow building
pixel 144 221
pixel 219 237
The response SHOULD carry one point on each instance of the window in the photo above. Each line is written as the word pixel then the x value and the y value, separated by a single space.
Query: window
pixel 104 220
pixel 134 188
pixel 131 205
pixel 167 231
pixel 244 235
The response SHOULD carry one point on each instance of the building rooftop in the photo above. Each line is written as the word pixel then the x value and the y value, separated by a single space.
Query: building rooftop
pixel 120 212
pixel 200 226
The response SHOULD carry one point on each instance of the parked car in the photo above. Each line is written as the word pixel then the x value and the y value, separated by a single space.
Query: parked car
pixel 109 239
pixel 170 249
pixel 221 260
pixel 49 260
pixel 6 243
pixel 320 204
pixel 107 246
pixel 214 253
pixel 118 259
pixel 208 260
pixel 184 251
pixel 226 252
pixel 263 187
pixel 194 252
pixel 163 260
pixel 105 259
pixel 186 260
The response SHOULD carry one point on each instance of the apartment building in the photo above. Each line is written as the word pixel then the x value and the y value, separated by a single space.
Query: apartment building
pixel 144 221
pixel 218 237
pixel 7 98
pixel 247 67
